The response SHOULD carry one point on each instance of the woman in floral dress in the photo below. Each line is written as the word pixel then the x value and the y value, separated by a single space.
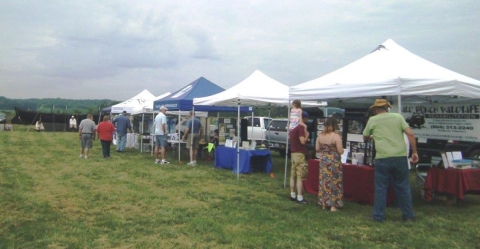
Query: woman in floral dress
pixel 329 145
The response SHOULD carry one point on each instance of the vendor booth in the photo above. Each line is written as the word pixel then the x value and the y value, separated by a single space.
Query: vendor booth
pixel 180 102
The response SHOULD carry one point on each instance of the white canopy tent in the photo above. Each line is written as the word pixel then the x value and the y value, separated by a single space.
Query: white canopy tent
pixel 389 71
pixel 147 107
pixel 134 104
pixel 256 90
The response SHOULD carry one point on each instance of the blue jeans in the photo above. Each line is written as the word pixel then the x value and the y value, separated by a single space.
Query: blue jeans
pixel 395 170
pixel 121 142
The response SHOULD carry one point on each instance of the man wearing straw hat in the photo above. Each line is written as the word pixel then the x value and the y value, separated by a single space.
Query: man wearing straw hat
pixel 391 162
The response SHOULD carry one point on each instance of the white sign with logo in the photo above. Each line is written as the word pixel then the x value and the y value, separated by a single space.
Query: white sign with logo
pixel 450 122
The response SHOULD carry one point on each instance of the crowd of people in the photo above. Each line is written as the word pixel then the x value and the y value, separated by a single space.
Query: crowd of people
pixel 386 130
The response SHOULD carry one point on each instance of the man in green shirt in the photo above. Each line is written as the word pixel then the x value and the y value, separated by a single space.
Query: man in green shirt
pixel 391 162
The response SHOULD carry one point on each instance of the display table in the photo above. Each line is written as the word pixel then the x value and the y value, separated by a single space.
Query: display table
pixel 226 158
pixel 358 183
pixel 457 182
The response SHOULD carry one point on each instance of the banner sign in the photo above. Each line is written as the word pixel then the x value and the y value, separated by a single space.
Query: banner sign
pixel 450 122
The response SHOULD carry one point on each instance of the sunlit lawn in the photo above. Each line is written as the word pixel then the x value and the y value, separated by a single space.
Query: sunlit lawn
pixel 50 198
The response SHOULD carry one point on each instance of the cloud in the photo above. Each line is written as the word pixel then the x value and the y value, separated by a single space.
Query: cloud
pixel 119 48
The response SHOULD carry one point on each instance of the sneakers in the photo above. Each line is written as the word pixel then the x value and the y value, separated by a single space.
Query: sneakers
pixel 81 156
pixel 86 157
pixel 302 202
pixel 157 161
pixel 192 163
pixel 164 162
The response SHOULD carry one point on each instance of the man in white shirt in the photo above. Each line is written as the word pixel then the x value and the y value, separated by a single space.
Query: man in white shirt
pixel 73 123
pixel 161 134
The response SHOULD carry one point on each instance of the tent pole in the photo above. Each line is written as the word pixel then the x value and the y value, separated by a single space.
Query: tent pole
pixel 141 135
pixel 191 136
pixel 179 123
pixel 251 138
pixel 286 148
pixel 399 103
pixel 152 144
pixel 238 139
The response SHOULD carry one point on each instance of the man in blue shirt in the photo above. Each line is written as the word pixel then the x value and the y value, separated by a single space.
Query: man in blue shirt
pixel 122 123
pixel 195 126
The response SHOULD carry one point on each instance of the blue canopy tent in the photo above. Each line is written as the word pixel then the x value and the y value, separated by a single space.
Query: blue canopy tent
pixel 182 100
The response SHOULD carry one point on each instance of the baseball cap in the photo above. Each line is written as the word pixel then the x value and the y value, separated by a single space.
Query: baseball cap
pixel 305 114
pixel 163 108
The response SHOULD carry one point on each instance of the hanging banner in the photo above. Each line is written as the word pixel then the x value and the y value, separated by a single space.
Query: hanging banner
pixel 450 122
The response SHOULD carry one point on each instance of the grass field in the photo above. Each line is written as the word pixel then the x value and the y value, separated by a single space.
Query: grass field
pixel 50 198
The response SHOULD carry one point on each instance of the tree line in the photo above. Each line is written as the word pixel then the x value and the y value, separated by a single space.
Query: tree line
pixel 57 105
pixel 82 106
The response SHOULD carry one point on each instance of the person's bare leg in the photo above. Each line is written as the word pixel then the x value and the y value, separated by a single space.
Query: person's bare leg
pixel 163 152
pixel 299 188
pixel 156 153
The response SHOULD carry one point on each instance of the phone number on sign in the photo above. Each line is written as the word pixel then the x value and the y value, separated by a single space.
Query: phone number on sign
pixel 451 127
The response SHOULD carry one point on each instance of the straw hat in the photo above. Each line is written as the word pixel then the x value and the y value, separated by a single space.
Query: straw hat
pixel 380 103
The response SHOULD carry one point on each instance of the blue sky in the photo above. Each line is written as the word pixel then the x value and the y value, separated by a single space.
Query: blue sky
pixel 115 49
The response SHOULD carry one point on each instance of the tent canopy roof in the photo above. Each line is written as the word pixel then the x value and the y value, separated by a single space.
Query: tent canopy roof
pixel 389 70
pixel 256 90
pixel 182 99
pixel 133 104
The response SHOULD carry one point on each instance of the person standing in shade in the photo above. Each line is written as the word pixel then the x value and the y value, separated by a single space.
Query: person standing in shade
pixel 193 138
pixel 86 134
pixel 105 132
pixel 161 134
pixel 391 162
pixel 122 123
pixel 73 123
pixel 330 186
pixel 298 148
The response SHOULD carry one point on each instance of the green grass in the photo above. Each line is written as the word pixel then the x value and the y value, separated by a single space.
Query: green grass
pixel 50 198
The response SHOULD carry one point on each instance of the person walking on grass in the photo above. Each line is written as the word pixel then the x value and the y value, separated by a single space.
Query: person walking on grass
pixel 161 134
pixel 122 123
pixel 86 134
pixel 193 138
pixel 105 132
pixel 298 148
pixel 391 162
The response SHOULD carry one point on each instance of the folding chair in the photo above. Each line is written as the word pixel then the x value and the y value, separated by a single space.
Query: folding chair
pixel 421 170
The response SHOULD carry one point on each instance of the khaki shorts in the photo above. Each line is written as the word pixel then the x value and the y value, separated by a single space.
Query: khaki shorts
pixel 299 167
pixel 196 139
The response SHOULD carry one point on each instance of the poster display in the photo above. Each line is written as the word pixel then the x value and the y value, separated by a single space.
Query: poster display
pixel 227 129
pixel 437 121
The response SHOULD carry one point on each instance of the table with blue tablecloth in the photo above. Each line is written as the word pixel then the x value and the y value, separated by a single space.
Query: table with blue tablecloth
pixel 226 158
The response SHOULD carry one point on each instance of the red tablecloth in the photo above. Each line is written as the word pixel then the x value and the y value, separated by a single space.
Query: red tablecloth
pixel 358 183
pixel 456 182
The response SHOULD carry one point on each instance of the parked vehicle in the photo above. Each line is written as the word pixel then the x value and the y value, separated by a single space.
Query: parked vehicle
pixel 276 135
pixel 256 129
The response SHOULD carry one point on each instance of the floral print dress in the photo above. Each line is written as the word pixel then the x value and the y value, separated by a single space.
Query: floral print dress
pixel 330 189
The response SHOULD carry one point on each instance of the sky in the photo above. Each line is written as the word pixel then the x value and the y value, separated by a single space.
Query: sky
pixel 105 49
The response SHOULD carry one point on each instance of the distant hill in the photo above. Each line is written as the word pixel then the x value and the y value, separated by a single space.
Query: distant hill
pixel 57 105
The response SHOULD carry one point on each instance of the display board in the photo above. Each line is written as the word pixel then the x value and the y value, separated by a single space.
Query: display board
pixel 450 122
pixel 227 129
